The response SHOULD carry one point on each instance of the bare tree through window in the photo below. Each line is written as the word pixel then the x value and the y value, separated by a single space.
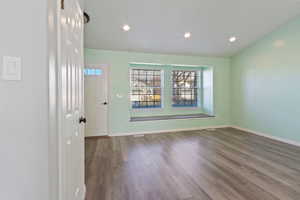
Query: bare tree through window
pixel 185 88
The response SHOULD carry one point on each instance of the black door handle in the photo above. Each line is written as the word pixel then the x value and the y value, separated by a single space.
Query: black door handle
pixel 105 103
pixel 82 120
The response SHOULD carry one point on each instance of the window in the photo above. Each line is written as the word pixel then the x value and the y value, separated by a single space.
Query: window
pixel 92 72
pixel 185 88
pixel 146 88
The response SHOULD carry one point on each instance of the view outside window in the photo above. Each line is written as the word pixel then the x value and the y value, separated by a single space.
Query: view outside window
pixel 146 89
pixel 185 88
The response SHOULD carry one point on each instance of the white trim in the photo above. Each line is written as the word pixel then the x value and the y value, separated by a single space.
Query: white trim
pixel 53 59
pixel 167 131
pixel 199 89
pixel 162 89
pixel 268 136
pixel 84 192
pixel 96 135
pixel 187 118
pixel 190 66
pixel 209 127
pixel 141 63
pixel 187 66
pixel 171 65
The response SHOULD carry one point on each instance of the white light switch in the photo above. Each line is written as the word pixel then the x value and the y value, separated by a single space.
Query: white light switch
pixel 12 70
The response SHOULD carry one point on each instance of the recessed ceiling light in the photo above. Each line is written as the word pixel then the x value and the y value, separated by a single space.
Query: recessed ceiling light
pixel 187 35
pixel 126 27
pixel 232 39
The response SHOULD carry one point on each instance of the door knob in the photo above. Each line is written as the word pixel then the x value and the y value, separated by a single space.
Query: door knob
pixel 105 103
pixel 82 120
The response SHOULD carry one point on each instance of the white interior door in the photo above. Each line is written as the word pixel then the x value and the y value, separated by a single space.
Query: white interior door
pixel 96 100
pixel 71 102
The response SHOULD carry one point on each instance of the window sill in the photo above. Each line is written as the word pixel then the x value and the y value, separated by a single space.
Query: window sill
pixel 186 108
pixel 146 109
pixel 170 117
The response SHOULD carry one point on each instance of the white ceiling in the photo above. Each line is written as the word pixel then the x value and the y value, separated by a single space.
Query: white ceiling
pixel 158 26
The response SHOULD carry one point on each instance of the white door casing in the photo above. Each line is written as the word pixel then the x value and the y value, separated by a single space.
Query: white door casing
pixel 71 102
pixel 96 101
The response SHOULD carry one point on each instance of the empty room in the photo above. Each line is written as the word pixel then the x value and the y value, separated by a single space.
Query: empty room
pixel 150 100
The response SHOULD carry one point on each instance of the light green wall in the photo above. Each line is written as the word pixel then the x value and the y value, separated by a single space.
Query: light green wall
pixel 266 84
pixel 119 108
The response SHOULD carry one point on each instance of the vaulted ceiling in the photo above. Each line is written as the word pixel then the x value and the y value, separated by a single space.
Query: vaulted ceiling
pixel 158 26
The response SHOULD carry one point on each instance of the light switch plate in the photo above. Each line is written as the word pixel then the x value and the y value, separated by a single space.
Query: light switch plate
pixel 12 70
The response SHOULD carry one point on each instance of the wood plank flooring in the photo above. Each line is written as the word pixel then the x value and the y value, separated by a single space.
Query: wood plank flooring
pixel 225 164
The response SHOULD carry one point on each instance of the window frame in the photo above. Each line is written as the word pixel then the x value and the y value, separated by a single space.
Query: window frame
pixel 92 71
pixel 147 68
pixel 199 90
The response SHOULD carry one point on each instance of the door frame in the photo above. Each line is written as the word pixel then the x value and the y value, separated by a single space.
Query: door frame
pixel 54 107
pixel 108 84
pixel 53 58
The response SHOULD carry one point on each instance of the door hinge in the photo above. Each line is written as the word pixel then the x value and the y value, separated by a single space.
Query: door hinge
pixel 62 4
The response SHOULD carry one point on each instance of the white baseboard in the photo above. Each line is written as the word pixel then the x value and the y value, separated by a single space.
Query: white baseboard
pixel 89 134
pixel 167 131
pixel 95 136
pixel 208 127
pixel 268 136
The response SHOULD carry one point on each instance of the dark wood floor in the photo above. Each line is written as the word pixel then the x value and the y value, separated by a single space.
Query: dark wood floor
pixel 225 164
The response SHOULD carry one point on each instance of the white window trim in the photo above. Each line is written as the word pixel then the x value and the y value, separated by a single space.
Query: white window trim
pixel 162 81
pixel 199 93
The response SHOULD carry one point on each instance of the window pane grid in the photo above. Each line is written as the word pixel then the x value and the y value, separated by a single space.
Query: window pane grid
pixel 145 88
pixel 185 88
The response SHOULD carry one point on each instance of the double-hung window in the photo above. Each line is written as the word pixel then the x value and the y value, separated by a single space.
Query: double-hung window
pixel 185 88
pixel 146 88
